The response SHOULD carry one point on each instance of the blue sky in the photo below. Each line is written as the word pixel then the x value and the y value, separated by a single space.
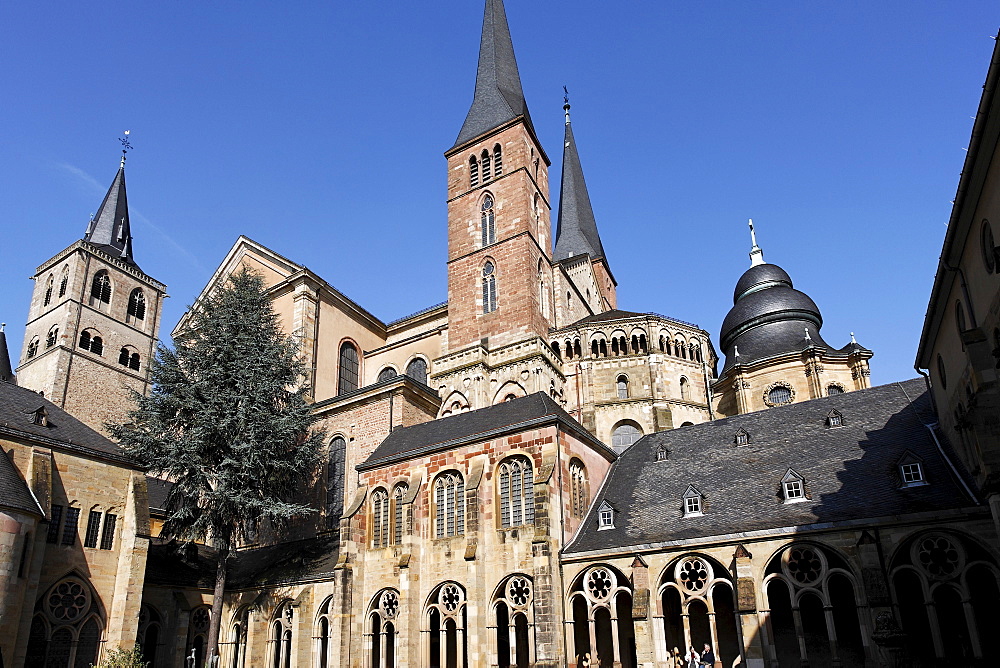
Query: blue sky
pixel 318 130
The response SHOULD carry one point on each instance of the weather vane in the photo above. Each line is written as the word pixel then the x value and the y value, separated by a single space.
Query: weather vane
pixel 126 146
pixel 565 95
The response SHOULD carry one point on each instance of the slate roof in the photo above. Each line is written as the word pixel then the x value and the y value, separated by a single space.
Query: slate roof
pixel 576 232
pixel 157 491
pixel 173 564
pixel 6 372
pixel 509 416
pixel 17 404
pixel 14 492
pixel 498 98
pixel 850 471
pixel 110 230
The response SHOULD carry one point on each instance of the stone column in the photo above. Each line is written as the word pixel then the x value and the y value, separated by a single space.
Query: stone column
pixel 746 608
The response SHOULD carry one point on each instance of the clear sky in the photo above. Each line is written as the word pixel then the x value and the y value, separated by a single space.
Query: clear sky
pixel 317 129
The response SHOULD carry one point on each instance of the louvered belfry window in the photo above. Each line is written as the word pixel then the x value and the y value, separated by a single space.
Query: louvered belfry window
pixel 473 172
pixel 497 161
pixel 517 493
pixel 349 368
pixel 485 163
pixel 449 505
pixel 136 305
pixel 100 289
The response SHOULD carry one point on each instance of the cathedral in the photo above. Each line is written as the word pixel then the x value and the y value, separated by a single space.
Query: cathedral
pixel 526 475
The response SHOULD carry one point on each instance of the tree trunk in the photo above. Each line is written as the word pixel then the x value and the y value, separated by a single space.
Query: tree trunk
pixel 212 647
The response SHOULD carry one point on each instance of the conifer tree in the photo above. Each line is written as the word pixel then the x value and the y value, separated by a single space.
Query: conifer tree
pixel 228 423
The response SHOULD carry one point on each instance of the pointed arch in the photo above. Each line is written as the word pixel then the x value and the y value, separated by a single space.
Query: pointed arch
pixel 100 290
pixel 509 390
pixel 487 219
pixel 136 311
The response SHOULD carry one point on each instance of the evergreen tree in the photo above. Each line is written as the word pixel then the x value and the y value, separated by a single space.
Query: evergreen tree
pixel 227 422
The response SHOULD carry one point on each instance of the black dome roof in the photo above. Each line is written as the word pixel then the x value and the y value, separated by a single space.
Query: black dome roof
pixel 758 278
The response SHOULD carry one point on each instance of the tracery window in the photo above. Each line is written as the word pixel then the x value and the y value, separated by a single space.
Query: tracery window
pixel 100 290
pixel 280 641
pixel 380 630
pixel 449 505
pixel 66 632
pixel 148 634
pixel 349 368
pixel 136 307
pixel 322 636
pixel 487 219
pixel 517 492
pixel 579 496
pixel 64 282
pixel 48 290
pixel 398 516
pixel 201 618
pixel 622 385
pixel 698 602
pixel 417 370
pixel 380 518
pixel 335 481
pixel 514 622
pixel 601 600
pixel 489 288
pixel 446 618
pixel 624 435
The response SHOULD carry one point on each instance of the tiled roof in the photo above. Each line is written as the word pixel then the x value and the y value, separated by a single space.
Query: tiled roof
pixel 14 492
pixel 851 472
pixel 17 404
pixel 522 413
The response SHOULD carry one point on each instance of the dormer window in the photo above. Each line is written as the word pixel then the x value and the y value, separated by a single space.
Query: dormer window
pixel 605 517
pixel 662 454
pixel 742 437
pixel 39 416
pixel 693 506
pixel 911 470
pixel 793 487
pixel 834 419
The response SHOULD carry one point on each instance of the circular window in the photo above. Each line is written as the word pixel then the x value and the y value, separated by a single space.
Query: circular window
pixel 942 376
pixel 389 604
pixel 938 556
pixel 804 564
pixel 778 394
pixel 519 591
pixel 68 601
pixel 600 582
pixel 989 248
pixel 451 597
pixel 200 620
pixel 693 574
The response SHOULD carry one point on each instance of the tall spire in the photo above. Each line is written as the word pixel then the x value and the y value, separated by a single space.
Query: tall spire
pixel 756 254
pixel 576 231
pixel 109 229
pixel 6 373
pixel 498 98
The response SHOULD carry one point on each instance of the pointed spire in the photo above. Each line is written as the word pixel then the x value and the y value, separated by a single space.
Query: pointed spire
pixel 756 254
pixel 576 231
pixel 499 97
pixel 6 372
pixel 109 228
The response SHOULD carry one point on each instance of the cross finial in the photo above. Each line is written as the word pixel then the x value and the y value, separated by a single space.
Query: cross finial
pixel 756 254
pixel 566 103
pixel 853 340
pixel 126 146
pixel 808 338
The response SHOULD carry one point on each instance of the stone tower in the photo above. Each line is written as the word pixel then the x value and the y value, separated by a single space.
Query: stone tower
pixel 500 305
pixel 93 321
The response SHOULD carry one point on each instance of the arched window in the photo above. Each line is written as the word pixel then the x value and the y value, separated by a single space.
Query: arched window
pixel 446 620
pixel 489 288
pixel 684 388
pixel 136 307
pixel 622 384
pixel 385 374
pixel 517 492
pixel 48 290
pixel 281 636
pixel 513 613
pixel 833 389
pixel 381 629
pixel 699 606
pixel 398 516
pixel 487 220
pixel 148 636
pixel 323 645
pixel 473 172
pixel 127 358
pixel 579 495
pixel 335 481
pixel 91 340
pixel 201 618
pixel 380 518
pixel 449 505
pixel 349 368
pixel 32 348
pixel 601 600
pixel 417 370
pixel 625 434
pixel 100 290
pixel 123 356
pixel 64 282
pixel 68 632
pixel 52 337
pixel 85 339
pixel 497 161
pixel 484 162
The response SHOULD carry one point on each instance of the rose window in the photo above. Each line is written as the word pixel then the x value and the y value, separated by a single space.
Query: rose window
pixel 389 604
pixel 519 591
pixel 804 565
pixel 600 583
pixel 68 601
pixel 200 619
pixel 938 556
pixel 451 598
pixel 693 574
